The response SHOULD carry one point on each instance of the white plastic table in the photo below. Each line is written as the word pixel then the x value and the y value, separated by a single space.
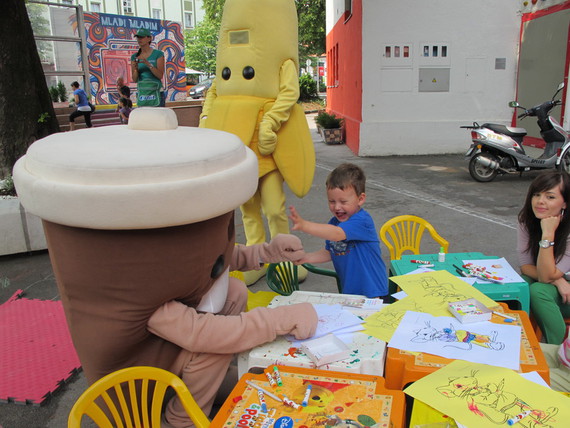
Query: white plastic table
pixel 367 354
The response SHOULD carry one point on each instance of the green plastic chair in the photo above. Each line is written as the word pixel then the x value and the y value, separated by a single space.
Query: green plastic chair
pixel 283 277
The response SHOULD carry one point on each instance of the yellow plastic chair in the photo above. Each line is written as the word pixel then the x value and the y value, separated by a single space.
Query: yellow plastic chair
pixel 283 278
pixel 404 233
pixel 137 381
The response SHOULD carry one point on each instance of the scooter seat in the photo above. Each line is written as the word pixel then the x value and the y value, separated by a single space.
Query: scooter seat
pixel 506 130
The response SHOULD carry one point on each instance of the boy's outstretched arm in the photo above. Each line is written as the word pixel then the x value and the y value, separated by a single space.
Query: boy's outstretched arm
pixel 324 231
pixel 321 256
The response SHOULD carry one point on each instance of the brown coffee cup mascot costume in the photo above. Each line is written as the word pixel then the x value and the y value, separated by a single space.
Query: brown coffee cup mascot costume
pixel 139 221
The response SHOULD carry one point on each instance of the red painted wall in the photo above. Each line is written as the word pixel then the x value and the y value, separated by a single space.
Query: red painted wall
pixel 344 94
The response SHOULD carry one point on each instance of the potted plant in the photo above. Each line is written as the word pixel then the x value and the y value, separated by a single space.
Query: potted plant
pixel 331 127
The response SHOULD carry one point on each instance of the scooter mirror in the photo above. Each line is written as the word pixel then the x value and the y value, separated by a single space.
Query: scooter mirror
pixel 514 104
pixel 561 86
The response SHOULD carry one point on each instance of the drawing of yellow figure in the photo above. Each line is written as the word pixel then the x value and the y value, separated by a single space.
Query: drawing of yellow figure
pixel 463 338
pixel 254 95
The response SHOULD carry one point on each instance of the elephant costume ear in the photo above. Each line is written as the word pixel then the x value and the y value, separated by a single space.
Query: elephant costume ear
pixel 149 174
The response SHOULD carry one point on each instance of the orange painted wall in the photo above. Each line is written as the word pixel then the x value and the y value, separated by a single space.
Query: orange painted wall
pixel 344 97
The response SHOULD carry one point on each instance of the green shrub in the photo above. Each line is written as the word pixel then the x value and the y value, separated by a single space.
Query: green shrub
pixel 328 120
pixel 62 91
pixel 54 93
pixel 307 88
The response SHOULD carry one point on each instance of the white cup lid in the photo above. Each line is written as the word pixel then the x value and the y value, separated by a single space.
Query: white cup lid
pixel 148 174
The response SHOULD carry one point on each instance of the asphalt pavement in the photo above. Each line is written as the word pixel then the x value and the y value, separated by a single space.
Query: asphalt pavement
pixel 472 216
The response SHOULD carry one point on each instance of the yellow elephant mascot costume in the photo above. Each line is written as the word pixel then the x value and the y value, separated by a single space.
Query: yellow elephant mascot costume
pixel 254 96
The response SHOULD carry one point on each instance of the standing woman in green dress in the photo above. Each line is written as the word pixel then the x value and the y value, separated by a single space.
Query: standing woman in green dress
pixel 147 69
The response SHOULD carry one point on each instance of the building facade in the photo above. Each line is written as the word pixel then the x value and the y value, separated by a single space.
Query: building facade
pixel 405 75
pixel 187 12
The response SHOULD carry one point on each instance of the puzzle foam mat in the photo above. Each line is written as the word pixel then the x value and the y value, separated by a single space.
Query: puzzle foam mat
pixel 36 352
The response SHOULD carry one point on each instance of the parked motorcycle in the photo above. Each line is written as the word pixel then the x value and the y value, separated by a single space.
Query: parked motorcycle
pixel 497 149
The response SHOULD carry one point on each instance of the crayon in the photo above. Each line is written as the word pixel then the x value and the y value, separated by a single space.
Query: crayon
pixel 277 376
pixel 305 402
pixel 518 417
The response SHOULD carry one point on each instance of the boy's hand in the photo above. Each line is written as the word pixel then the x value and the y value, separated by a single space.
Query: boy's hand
pixel 296 219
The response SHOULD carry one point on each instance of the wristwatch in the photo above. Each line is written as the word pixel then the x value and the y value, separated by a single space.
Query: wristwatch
pixel 545 243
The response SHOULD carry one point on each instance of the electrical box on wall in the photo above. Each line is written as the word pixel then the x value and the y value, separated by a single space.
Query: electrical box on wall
pixel 433 80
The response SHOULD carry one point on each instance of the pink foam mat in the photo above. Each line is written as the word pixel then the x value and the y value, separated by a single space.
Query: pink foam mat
pixel 36 353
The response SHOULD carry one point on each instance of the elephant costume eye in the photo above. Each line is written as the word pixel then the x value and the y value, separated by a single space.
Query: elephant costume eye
pixel 248 72
pixel 226 73
pixel 218 267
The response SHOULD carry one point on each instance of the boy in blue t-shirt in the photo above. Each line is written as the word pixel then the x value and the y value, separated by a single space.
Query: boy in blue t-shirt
pixel 351 237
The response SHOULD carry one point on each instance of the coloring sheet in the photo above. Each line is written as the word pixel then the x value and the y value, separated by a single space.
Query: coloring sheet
pixel 483 396
pixel 480 342
pixel 436 289
pixel 333 319
pixel 383 323
pixel 499 268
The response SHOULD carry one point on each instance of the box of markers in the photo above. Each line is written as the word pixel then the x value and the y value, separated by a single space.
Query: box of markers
pixel 470 310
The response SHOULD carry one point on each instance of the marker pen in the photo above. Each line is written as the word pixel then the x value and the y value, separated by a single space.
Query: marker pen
pixel 272 382
pixel 422 262
pixel 262 401
pixel 291 403
pixel 277 376
pixel 305 402
pixel 518 417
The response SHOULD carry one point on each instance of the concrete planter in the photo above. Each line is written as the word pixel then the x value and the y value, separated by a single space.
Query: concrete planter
pixel 21 232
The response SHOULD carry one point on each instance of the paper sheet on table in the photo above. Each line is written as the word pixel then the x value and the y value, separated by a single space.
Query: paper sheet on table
pixel 484 396
pixel 427 415
pixel 420 270
pixel 497 267
pixel 333 318
pixel 400 295
pixel 436 289
pixel 383 323
pixel 481 342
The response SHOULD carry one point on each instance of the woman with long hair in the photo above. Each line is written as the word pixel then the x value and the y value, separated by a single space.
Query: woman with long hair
pixel 147 69
pixel 544 251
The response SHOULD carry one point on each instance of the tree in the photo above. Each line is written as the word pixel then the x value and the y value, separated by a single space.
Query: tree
pixel 200 46
pixel 214 9
pixel 26 110
pixel 312 18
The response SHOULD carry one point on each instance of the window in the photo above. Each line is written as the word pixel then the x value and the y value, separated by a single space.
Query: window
pixel 434 51
pixel 95 7
pixel 67 1
pixel 397 51
pixel 157 13
pixel 127 7
pixel 188 20
pixel 188 11
pixel 332 61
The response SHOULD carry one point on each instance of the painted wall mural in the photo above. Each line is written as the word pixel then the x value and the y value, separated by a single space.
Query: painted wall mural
pixel 110 44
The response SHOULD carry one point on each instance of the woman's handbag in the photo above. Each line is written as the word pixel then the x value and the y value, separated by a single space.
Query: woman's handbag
pixel 148 94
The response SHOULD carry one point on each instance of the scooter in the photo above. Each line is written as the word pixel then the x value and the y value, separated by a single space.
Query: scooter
pixel 497 149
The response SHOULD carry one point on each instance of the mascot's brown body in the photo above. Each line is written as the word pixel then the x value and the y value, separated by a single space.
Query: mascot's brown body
pixel 139 236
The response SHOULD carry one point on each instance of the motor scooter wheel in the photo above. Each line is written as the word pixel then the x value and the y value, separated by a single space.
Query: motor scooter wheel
pixel 480 172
